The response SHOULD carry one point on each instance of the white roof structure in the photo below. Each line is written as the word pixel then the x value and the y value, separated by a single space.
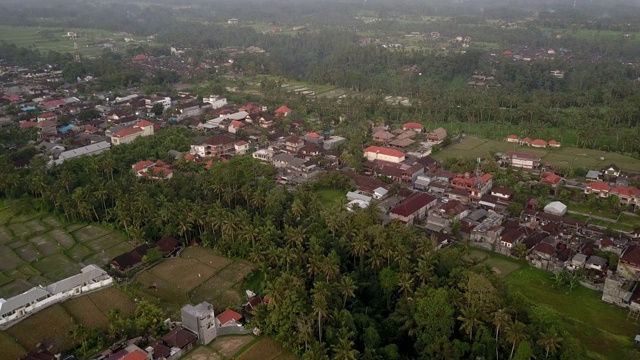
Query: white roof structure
pixel 556 208
pixel 18 301
pixel 235 116
pixel 380 192
pixel 88 274
pixel 351 195
pixel 92 149
pixel 361 203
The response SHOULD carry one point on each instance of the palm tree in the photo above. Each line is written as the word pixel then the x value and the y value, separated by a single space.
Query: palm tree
pixel 550 340
pixel 359 248
pixel 405 283
pixel 470 319
pixel 305 330
pixel 320 306
pixel 500 320
pixel 347 288
pixel 344 350
pixel 516 332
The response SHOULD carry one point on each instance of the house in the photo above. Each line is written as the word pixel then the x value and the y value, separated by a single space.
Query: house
pixel 379 193
pixel 413 126
pixel 554 144
pixel 502 193
pixel 383 136
pixel 422 182
pixel 596 263
pixel 538 143
pixel 152 170
pixel 214 146
pixel 476 185
pixel 200 320
pixel 351 195
pixel 611 170
pixel 180 338
pixel 263 154
pixel 522 160
pixel 599 188
pixel 48 116
pixel 513 138
pixel 130 259
pixel 437 135
pixel 47 127
pixel 14 309
pixel 512 237
pixel 283 111
pixel 593 175
pixel 579 260
pixel 169 245
pixel 413 208
pixel 294 165
pixel 627 195
pixel 333 141
pixel 550 179
pixel 165 101
pixel 385 154
pixel 314 138
pixel 293 144
pixel 630 259
pixel 399 172
pixel 228 318
pixel 216 101
pixel 401 143
pixel 241 147
pixel 234 126
pixel 92 149
pixel 140 129
pixel 27 124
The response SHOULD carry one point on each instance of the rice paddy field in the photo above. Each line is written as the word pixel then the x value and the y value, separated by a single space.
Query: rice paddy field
pixel 90 41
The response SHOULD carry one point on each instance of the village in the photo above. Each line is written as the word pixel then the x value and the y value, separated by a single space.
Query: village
pixel 396 174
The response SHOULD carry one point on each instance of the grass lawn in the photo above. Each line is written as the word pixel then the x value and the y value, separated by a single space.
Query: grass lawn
pixel 601 327
pixel 472 147
pixel 331 195
pixel 265 349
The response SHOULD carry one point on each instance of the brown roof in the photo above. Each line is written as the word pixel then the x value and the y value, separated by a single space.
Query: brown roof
pixel 179 338
pixel 631 255
pixel 160 350
pixel 220 140
pixel 412 204
pixel 227 316
pixel 545 248
pixel 512 235
pixel 502 190
pixel 167 244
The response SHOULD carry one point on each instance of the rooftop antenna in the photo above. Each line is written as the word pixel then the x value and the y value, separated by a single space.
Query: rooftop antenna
pixel 478 175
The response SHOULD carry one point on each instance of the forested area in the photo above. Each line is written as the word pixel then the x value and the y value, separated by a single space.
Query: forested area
pixel 341 285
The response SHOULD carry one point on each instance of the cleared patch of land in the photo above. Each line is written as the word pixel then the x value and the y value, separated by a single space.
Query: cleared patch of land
pixel 93 309
pixel 471 147
pixel 331 195
pixel 228 346
pixel 202 353
pixel 50 326
pixel 10 348
pixel 265 349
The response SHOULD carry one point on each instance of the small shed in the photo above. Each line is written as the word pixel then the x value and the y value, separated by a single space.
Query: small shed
pixel 556 208
pixel 592 175
pixel 379 193
pixel 579 260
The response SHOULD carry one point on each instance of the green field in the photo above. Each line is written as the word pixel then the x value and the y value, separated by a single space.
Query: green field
pixel 89 41
pixel 602 328
pixel 331 195
pixel 198 275
pixel 472 147
pixel 38 249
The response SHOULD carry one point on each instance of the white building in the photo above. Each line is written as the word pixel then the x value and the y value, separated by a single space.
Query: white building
pixel 556 208
pixel 140 129
pixel 16 308
pixel 216 101
pixel 92 149
pixel 384 154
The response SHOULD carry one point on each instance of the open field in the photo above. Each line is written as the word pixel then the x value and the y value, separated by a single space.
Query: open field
pixel 202 353
pixel 38 249
pixel 10 348
pixel 90 41
pixel 228 346
pixel 331 195
pixel 198 275
pixel 601 327
pixel 472 147
pixel 50 325
pixel 265 349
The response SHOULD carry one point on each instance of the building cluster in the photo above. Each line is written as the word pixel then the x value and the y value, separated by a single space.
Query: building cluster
pixel 17 308
pixel 536 143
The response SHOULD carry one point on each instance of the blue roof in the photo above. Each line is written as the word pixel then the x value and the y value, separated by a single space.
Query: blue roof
pixel 28 108
pixel 66 128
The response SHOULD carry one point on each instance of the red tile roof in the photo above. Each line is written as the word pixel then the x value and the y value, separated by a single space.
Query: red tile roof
pixel 539 142
pixel 384 151
pixel 314 135
pixel 27 124
pixel 631 255
pixel 599 185
pixel 127 132
pixel 413 125
pixel 241 143
pixel 227 316
pixel 46 123
pixel 553 142
pixel 189 157
pixel 140 165
pixel 283 109
pixel 550 178
pixel 513 137
pixel 161 171
pixel 144 123
pixel 626 191
pixel 412 204
pixel 135 355
pixel 140 57
pixel 237 124
pixel 47 115
pixel 54 103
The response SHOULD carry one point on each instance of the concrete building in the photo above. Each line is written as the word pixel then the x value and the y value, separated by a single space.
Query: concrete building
pixel 201 320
